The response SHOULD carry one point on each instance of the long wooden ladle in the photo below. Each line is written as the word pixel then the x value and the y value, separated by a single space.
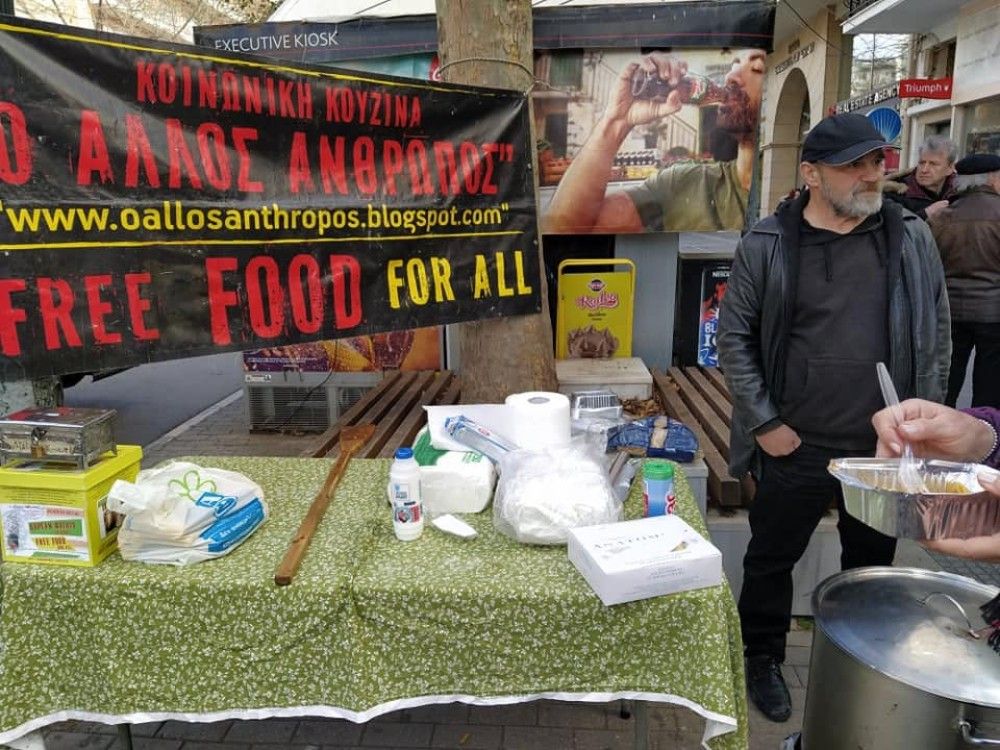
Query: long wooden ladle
pixel 352 439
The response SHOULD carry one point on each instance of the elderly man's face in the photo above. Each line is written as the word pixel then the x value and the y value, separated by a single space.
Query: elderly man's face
pixel 852 190
pixel 744 85
pixel 933 169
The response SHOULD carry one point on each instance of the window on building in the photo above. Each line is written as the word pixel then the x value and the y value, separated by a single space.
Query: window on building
pixel 566 69
pixel 940 61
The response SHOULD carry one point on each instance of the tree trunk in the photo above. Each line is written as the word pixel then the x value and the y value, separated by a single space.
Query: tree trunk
pixel 503 355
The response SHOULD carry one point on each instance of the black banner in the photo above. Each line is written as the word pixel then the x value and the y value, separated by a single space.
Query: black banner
pixel 723 23
pixel 161 201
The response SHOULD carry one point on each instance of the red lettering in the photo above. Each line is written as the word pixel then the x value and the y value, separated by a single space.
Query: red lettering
pixel 139 149
pixel 469 156
pixel 255 298
pixel 57 316
pixel 346 276
pixel 307 312
pixel 139 305
pixel 180 156
pixel 444 157
pixel 219 299
pixel 243 181
pixel 299 171
pixel 167 79
pixel 144 91
pixel 420 172
pixel 331 164
pixel 364 165
pixel 99 309
pixel 212 143
pixel 93 150
pixel 392 163
pixel 489 187
pixel 10 316
pixel 19 144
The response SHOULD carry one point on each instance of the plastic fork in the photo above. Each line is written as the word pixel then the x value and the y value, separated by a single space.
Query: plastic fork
pixel 909 473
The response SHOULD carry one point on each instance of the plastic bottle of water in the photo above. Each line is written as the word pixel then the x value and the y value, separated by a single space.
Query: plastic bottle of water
pixel 404 493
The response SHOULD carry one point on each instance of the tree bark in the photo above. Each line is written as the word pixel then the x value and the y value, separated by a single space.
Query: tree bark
pixel 503 355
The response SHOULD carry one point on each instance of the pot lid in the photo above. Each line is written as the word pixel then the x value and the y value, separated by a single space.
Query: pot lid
pixel 907 624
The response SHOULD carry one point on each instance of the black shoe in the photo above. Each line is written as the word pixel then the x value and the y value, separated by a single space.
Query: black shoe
pixel 766 687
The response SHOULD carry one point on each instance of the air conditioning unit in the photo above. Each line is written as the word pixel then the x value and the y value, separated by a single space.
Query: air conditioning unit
pixel 302 401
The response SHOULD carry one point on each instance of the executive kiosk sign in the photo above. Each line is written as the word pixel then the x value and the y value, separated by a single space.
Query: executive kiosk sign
pixel 160 201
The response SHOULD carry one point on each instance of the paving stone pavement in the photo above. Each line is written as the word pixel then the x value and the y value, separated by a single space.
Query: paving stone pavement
pixel 538 725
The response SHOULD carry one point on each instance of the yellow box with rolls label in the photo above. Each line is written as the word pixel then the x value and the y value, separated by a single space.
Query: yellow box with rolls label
pixel 59 516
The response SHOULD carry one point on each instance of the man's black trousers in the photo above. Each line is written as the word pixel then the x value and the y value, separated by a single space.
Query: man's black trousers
pixel 792 494
pixel 985 339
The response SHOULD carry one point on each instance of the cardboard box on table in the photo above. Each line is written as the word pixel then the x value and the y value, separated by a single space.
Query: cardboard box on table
pixel 647 557
pixel 56 515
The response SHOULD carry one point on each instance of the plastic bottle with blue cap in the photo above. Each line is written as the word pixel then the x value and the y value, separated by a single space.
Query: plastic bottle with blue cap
pixel 404 494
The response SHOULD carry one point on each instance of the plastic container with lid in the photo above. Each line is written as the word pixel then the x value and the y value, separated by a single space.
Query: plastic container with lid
pixel 658 498
pixel 404 494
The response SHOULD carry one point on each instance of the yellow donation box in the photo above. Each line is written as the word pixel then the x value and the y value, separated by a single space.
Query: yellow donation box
pixel 594 314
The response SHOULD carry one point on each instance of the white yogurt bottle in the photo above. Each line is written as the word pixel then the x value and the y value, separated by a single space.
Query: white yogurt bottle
pixel 404 493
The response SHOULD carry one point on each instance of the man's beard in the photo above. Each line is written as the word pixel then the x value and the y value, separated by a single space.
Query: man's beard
pixel 737 115
pixel 858 205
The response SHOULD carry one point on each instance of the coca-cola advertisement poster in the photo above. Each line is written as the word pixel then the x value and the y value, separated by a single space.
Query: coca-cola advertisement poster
pixel 158 201
pixel 714 280
pixel 662 140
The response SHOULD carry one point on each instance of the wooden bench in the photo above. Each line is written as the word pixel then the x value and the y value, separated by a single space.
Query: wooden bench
pixel 395 407
pixel 699 397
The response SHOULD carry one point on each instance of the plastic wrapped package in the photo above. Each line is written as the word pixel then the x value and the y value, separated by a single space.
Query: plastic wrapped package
pixel 542 494
pixel 182 513
pixel 655 437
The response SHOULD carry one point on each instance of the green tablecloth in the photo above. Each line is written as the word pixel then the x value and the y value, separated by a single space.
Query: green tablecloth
pixel 369 625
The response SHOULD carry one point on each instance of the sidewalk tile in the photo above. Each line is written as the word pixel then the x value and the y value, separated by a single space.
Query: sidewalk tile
pixel 563 714
pixel 268 730
pixel 473 736
pixel 399 735
pixel 523 714
pixel 77 741
pixel 603 739
pixel 328 732
pixel 196 732
pixel 537 738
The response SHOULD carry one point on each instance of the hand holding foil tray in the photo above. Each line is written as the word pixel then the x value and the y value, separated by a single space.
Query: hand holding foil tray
pixel 954 505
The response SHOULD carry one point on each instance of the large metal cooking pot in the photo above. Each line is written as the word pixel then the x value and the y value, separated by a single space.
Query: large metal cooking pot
pixel 894 666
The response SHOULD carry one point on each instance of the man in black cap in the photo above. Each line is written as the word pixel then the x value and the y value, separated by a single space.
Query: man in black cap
pixel 968 236
pixel 834 282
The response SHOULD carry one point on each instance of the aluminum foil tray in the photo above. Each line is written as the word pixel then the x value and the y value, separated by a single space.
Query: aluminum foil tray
pixel 954 505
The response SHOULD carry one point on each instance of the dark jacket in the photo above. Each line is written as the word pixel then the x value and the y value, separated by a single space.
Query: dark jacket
pixel 968 237
pixel 905 190
pixel 754 319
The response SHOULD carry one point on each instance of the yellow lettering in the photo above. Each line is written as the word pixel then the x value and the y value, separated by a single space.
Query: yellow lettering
pixel 482 281
pixel 416 277
pixel 502 289
pixel 522 287
pixel 441 271
pixel 395 283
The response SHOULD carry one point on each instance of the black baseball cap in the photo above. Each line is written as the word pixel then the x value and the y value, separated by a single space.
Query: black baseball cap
pixel 840 139
pixel 978 164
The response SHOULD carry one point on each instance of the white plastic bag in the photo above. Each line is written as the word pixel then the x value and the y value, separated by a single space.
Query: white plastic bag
pixel 542 494
pixel 182 513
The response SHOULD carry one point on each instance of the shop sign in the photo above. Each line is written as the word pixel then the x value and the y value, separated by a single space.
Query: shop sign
pixel 160 201
pixel 796 56
pixel 869 99
pixel 925 88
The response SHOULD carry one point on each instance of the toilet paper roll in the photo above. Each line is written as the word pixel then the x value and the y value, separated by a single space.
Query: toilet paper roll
pixel 538 419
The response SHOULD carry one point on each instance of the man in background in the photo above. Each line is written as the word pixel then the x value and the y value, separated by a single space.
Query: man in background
pixel 968 236
pixel 831 284
pixel 689 196
pixel 925 190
